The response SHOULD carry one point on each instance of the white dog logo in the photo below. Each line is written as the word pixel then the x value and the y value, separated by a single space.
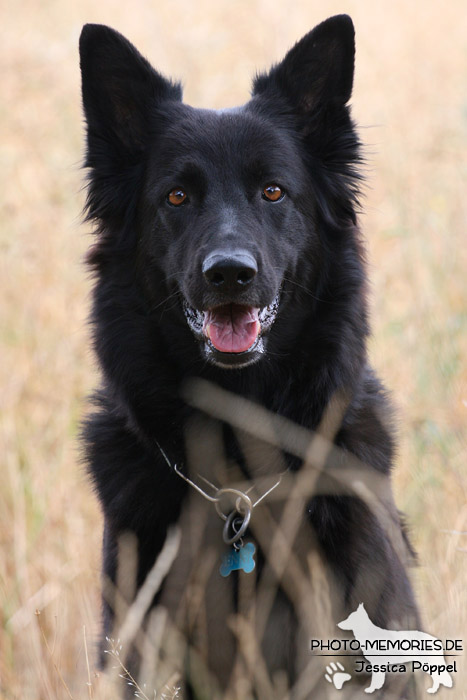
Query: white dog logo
pixel 368 635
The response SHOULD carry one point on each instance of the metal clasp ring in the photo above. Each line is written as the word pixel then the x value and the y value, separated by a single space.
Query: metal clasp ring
pixel 230 523
pixel 242 502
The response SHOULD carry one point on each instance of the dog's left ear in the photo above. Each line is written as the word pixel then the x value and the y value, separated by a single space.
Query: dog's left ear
pixel 317 73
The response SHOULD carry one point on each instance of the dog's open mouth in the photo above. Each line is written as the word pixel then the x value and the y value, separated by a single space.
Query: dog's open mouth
pixel 232 334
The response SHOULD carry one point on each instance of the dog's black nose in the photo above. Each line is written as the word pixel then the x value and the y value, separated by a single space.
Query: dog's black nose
pixel 229 271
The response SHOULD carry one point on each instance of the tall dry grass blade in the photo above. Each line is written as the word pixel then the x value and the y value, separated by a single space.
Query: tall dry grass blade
pixel 49 651
pixel 138 609
pixel 152 646
pixel 88 668
pixel 126 578
pixel 283 433
pixel 249 648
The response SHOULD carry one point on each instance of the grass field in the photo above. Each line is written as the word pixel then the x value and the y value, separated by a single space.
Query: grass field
pixel 410 99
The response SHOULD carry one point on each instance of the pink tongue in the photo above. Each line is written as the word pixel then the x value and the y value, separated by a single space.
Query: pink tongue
pixel 232 327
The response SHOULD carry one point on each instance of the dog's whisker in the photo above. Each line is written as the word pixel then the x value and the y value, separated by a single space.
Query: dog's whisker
pixel 306 290
pixel 164 301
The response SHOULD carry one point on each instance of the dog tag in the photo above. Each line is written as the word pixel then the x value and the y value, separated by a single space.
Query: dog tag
pixel 238 559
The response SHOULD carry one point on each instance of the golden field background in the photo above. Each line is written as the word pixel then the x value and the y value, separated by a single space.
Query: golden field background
pixel 410 99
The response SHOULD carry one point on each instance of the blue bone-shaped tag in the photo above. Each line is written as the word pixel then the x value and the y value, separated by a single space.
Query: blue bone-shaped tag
pixel 238 559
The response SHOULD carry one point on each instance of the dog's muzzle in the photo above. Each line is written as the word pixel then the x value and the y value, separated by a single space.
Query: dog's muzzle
pixel 232 335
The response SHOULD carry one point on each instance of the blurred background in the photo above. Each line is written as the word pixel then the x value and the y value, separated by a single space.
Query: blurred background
pixel 410 101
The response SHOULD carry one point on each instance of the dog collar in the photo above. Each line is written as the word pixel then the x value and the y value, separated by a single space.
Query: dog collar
pixel 236 519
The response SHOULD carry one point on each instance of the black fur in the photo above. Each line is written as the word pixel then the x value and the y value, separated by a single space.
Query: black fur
pixel 296 131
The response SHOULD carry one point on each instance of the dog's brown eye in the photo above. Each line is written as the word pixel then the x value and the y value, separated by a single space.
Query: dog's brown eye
pixel 176 197
pixel 273 193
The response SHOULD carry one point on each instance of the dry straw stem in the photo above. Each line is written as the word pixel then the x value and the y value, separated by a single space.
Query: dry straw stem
pixel 142 602
pixel 256 669
pixel 88 668
pixel 126 675
pixel 313 447
pixel 62 680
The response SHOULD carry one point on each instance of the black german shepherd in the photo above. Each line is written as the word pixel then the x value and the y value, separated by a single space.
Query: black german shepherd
pixel 227 250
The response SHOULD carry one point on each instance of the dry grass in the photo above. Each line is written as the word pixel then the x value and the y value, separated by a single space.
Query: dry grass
pixel 410 89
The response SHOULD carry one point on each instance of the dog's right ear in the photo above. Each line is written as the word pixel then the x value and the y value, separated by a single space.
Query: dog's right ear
pixel 120 91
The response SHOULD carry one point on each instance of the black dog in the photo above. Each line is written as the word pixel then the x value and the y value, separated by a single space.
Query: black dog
pixel 228 251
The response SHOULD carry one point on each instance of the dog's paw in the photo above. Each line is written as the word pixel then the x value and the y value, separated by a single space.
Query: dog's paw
pixel 337 675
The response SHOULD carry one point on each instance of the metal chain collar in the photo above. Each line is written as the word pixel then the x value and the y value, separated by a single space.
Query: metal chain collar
pixel 236 520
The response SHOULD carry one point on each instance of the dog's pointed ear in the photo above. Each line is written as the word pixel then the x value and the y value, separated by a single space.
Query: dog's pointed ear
pixel 120 89
pixel 318 71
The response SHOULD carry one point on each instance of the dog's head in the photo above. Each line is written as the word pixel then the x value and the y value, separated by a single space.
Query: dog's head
pixel 217 212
